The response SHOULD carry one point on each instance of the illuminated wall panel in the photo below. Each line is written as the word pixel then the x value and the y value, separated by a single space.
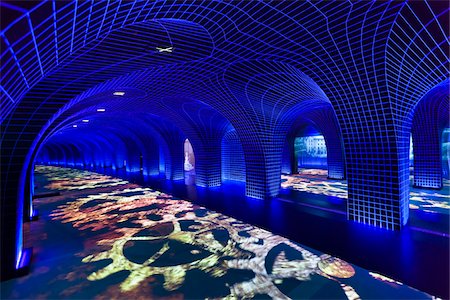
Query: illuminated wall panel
pixel 288 165
pixel 174 162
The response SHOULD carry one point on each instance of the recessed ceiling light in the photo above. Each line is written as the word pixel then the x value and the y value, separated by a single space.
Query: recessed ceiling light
pixel 75 126
pixel 101 109
pixel 85 121
pixel 165 49
pixel 119 93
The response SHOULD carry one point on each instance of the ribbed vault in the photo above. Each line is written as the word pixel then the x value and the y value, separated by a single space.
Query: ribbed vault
pixel 199 69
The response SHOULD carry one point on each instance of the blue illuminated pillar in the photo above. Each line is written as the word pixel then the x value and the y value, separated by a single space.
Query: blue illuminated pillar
pixel 233 162
pixel 174 166
pixel 28 197
pixel 208 163
pixel 12 209
pixel 151 159
pixel 174 159
pixel 289 161
pixel 263 157
pixel 377 172
pixel 335 156
pixel 326 122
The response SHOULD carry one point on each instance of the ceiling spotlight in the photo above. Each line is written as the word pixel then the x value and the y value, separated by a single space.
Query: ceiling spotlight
pixel 101 109
pixel 85 121
pixel 119 93
pixel 75 126
pixel 165 49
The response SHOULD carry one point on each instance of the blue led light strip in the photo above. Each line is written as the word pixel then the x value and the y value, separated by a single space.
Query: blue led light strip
pixel 35 44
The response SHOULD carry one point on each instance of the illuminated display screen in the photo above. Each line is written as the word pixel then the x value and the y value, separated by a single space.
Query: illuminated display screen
pixel 141 243
pixel 311 151
pixel 315 181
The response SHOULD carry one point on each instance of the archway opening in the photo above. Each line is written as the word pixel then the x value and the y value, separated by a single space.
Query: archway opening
pixel 429 184
pixel 306 167
pixel 189 163
pixel 429 200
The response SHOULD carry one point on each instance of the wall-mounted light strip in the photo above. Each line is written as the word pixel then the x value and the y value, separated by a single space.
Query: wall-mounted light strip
pixel 73 25
pixel 35 44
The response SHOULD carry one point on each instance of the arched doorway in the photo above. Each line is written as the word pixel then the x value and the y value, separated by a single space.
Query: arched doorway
pixel 189 163
pixel 428 158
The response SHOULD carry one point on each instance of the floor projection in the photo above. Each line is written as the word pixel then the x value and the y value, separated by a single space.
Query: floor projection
pixel 107 238
pixel 315 181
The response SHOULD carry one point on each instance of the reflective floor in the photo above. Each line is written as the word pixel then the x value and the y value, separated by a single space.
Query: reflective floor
pixel 429 209
pixel 106 238
pixel 315 181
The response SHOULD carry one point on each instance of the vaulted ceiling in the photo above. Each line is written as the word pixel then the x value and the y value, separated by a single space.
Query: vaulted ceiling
pixel 206 67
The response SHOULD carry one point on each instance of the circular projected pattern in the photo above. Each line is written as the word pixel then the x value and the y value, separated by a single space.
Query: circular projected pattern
pixel 335 267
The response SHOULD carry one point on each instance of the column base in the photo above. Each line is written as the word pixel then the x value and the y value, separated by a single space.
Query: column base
pixel 25 262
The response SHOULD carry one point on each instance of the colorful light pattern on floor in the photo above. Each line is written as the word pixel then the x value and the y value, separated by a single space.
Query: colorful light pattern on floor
pixel 218 244
pixel 72 179
pixel 141 243
pixel 315 181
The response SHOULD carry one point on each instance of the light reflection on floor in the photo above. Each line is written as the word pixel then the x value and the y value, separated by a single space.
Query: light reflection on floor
pixel 315 181
pixel 141 243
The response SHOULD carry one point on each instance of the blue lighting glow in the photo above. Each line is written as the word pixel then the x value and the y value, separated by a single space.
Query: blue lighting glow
pixel 360 73
pixel 19 257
